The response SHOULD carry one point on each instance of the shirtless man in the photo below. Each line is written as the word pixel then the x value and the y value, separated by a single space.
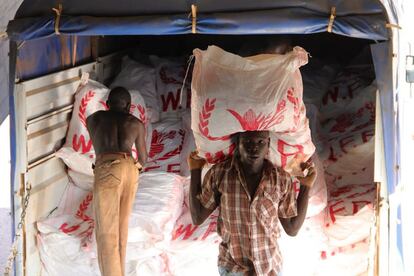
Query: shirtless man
pixel 253 196
pixel 113 133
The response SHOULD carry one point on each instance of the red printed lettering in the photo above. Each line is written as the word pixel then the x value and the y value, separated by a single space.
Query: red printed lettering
pixel 357 204
pixel 80 143
pixel 352 87
pixel 332 155
pixel 217 157
pixel 65 229
pixel 287 150
pixel 361 194
pixel 172 100
pixel 345 141
pixel 211 229
pixel 341 191
pixel 333 94
pixel 332 211
pixel 366 135
pixel 173 168
pixel 187 231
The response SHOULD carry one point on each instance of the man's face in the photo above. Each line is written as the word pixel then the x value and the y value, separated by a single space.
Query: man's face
pixel 253 147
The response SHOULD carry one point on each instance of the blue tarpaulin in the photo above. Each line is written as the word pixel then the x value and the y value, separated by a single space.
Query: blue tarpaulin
pixel 283 20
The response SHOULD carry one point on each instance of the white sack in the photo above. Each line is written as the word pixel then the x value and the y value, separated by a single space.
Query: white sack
pixel 233 94
pixel 78 153
pixel 350 260
pixel 140 77
pixel 166 145
pixel 350 214
pixel 74 215
pixel 64 255
pixel 304 248
pixel 346 86
pixel 349 155
pixel 157 206
pixel 170 73
pixel 82 180
pixel 66 240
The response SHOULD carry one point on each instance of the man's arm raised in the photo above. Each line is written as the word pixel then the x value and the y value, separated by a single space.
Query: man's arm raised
pixel 292 225
pixel 140 144
pixel 198 212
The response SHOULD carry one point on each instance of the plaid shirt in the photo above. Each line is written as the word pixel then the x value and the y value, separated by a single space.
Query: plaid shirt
pixel 249 227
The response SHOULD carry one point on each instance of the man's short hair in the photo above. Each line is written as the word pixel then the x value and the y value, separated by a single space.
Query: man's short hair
pixel 119 96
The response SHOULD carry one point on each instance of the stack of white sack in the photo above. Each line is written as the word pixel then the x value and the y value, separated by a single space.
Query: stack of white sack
pixel 194 248
pixel 78 153
pixel 232 94
pixel 66 240
pixel 337 240
pixel 348 110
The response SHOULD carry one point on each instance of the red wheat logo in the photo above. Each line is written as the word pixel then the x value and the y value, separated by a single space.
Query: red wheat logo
pixel 204 117
pixel 252 121
pixel 157 141
pixel 157 144
pixel 83 104
pixel 295 101
pixel 80 213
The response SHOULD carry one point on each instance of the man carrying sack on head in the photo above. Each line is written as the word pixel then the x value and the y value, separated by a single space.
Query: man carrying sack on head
pixel 253 196
pixel 113 133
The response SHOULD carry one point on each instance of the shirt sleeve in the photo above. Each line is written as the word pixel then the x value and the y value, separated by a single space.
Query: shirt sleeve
pixel 287 203
pixel 208 196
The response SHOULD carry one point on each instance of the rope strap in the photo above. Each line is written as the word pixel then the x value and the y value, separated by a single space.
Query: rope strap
pixel 193 19
pixel 331 20
pixel 390 25
pixel 58 12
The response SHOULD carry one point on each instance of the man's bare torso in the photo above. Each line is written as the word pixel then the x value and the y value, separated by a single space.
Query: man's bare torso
pixel 113 131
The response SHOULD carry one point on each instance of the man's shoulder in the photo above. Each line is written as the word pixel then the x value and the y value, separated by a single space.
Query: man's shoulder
pixel 132 118
pixel 223 165
pixel 95 116
pixel 275 170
